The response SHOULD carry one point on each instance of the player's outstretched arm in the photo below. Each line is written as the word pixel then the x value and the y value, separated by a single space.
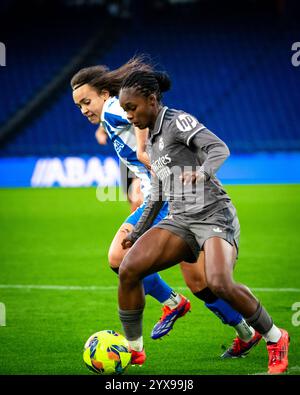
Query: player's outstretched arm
pixel 151 210
pixel 145 222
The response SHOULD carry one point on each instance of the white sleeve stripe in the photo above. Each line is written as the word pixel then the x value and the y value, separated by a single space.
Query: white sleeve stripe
pixel 162 118
pixel 193 134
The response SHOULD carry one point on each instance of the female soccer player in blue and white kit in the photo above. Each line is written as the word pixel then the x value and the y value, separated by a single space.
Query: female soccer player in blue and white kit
pixel 94 92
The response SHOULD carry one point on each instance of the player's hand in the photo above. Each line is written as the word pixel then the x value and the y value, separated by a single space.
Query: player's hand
pixel 192 177
pixel 101 135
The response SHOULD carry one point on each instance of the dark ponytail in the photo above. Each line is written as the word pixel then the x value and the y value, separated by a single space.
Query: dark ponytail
pixel 148 82
pixel 100 77
pixel 163 81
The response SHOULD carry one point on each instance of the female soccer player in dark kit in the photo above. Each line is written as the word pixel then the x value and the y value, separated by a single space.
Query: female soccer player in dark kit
pixel 185 156
pixel 94 91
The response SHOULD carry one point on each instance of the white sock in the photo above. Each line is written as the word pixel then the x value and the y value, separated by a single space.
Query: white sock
pixel 137 345
pixel 173 301
pixel 273 335
pixel 244 331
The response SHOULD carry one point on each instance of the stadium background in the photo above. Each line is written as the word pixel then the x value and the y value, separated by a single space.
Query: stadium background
pixel 231 66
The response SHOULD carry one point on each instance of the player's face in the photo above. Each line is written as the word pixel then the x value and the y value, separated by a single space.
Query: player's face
pixel 90 102
pixel 141 111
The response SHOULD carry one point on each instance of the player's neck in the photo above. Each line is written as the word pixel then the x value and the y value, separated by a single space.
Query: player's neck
pixel 155 116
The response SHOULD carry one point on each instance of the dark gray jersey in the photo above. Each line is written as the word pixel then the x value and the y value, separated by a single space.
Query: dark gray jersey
pixel 179 143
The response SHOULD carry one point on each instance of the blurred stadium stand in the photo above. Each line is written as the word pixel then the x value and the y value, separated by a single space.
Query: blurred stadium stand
pixel 230 64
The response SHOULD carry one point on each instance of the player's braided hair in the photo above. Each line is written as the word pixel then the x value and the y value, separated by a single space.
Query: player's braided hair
pixel 148 82
pixel 100 77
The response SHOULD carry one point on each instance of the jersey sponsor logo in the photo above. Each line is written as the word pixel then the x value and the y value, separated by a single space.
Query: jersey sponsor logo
pixel 163 173
pixel 118 146
pixel 161 162
pixel 161 144
pixel 160 167
pixel 186 122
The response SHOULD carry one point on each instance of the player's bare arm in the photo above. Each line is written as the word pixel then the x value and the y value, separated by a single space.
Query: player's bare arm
pixel 141 142
pixel 145 222
pixel 101 135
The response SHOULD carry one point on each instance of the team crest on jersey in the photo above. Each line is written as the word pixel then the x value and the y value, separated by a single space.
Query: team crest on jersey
pixel 161 144
pixel 118 146
pixel 186 122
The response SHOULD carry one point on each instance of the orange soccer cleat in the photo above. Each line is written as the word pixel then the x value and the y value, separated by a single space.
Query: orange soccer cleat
pixel 169 317
pixel 138 357
pixel 278 354
pixel 239 348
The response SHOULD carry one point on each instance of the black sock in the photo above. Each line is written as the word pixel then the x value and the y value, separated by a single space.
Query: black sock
pixel 206 295
pixel 132 322
pixel 260 320
pixel 115 269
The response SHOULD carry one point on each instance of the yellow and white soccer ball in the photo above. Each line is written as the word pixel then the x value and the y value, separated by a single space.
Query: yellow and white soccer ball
pixel 107 352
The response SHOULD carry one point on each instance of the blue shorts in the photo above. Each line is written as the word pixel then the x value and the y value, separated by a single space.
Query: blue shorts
pixel 136 215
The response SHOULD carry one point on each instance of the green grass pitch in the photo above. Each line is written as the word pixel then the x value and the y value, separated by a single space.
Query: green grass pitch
pixel 61 237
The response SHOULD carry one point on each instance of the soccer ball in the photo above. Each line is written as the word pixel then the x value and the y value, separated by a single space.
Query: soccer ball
pixel 107 352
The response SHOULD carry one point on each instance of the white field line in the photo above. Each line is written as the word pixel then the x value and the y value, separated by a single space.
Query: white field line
pixel 105 288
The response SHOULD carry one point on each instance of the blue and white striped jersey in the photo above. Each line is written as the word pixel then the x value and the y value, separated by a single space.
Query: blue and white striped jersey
pixel 121 132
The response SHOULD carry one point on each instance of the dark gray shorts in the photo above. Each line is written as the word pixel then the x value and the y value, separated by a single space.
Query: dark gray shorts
pixel 223 223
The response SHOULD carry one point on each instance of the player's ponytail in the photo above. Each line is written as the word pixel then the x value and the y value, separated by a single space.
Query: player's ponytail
pixel 148 82
pixel 163 80
pixel 101 78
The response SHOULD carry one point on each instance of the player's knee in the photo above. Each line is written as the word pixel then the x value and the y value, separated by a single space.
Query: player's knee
pixel 220 286
pixel 128 273
pixel 114 259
